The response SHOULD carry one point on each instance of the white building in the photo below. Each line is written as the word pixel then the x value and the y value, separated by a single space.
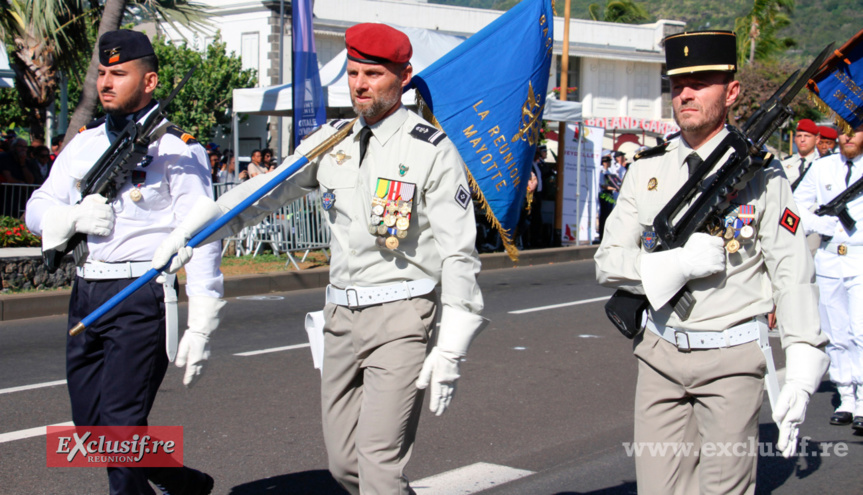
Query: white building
pixel 616 68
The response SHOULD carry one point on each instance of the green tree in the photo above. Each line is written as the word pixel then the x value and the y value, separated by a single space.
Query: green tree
pixel 757 37
pixel 205 101
pixel 622 11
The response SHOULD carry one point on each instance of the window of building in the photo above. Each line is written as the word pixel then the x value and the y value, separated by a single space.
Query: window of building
pixel 250 52
pixel 572 75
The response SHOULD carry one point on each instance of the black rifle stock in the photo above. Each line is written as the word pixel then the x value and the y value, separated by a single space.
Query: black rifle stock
pixel 838 206
pixel 111 171
pixel 709 196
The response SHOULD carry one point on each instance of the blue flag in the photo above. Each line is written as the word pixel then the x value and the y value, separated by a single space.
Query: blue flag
pixel 309 110
pixel 838 84
pixel 488 95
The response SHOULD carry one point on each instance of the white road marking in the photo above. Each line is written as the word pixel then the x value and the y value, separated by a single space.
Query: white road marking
pixel 555 306
pixel 468 479
pixel 29 432
pixel 31 387
pixel 273 349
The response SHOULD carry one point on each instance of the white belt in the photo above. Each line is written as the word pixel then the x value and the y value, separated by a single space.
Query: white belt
pixel 686 340
pixel 97 270
pixel 841 248
pixel 360 297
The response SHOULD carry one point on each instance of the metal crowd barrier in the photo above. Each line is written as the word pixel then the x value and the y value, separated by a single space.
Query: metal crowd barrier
pixel 298 226
pixel 13 198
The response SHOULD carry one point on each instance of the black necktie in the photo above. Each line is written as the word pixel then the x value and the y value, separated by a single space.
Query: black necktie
pixel 848 164
pixel 802 166
pixel 693 161
pixel 365 135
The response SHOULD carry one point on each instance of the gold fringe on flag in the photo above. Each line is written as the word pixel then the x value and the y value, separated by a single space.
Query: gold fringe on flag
pixel 505 236
pixel 844 126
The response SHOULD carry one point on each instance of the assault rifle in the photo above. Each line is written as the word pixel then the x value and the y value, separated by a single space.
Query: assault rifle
pixel 709 197
pixel 838 206
pixel 111 171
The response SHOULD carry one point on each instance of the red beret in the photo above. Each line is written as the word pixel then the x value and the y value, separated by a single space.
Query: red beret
pixel 807 125
pixel 377 44
pixel 828 132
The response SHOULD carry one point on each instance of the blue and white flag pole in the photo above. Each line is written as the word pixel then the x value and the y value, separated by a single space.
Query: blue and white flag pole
pixel 211 229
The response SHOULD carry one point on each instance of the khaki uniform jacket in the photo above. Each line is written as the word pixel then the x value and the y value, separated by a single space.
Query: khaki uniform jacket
pixel 442 232
pixel 774 267
pixel 791 165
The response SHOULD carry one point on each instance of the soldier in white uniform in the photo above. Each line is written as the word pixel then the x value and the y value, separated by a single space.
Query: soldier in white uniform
pixel 839 272
pixel 700 380
pixel 796 165
pixel 402 222
pixel 115 367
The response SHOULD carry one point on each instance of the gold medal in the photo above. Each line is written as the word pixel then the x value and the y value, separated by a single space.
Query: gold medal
pixel 652 183
pixel 401 234
pixel 733 246
pixel 405 209
pixel 842 250
pixel 382 229
pixel 136 195
pixel 389 220
pixel 392 242
pixel 403 223
pixel 729 233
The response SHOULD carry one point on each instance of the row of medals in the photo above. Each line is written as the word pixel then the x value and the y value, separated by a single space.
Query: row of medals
pixel 737 226
pixel 390 220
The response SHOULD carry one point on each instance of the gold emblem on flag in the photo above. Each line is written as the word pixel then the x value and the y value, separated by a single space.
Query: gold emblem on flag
pixel 531 113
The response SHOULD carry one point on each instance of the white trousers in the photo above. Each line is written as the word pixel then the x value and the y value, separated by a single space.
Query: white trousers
pixel 841 307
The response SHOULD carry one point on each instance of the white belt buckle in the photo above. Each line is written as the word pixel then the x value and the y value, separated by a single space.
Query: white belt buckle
pixel 681 340
pixel 348 292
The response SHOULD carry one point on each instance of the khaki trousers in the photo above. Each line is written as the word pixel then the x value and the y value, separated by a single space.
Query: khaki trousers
pixel 370 405
pixel 696 418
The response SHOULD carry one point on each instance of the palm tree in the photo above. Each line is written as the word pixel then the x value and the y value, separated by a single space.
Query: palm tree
pixel 622 11
pixel 757 30
pixel 46 35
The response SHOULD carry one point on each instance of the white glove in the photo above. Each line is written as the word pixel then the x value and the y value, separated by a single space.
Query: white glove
pixel 440 368
pixel 663 273
pixel 202 214
pixel 825 225
pixel 805 366
pixel 91 216
pixel 194 348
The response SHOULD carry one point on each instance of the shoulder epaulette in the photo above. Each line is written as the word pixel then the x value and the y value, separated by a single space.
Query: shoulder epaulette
pixel 180 133
pixel 339 123
pixel 655 151
pixel 428 134
pixel 93 124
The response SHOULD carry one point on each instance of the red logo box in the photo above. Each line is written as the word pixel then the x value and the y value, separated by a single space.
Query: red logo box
pixel 114 446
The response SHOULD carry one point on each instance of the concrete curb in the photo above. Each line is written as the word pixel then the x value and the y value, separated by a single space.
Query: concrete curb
pixel 31 305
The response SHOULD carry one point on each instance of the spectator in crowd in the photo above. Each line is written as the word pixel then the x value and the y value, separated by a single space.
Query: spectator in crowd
pixel 826 140
pixel 40 164
pixel 534 221
pixel 621 165
pixel 256 166
pixel 215 166
pixel 13 164
pixel 55 146
pixel 267 159
pixel 228 173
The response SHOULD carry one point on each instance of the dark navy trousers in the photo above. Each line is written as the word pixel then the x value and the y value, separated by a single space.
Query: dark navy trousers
pixel 114 368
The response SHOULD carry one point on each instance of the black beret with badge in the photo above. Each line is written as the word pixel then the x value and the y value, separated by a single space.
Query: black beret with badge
pixel 117 47
pixel 701 51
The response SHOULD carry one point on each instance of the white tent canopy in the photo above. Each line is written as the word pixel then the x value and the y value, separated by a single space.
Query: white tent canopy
pixel 6 74
pixel 428 46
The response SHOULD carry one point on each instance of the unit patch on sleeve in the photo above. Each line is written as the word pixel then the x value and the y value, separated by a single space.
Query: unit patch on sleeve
pixel 462 197
pixel 428 134
pixel 790 221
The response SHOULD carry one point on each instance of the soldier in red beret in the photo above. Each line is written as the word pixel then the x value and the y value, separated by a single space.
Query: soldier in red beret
pixel 826 140
pixel 796 165
pixel 403 230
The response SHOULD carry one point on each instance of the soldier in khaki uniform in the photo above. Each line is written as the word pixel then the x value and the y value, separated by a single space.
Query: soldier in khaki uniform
pixel 700 381
pixel 399 207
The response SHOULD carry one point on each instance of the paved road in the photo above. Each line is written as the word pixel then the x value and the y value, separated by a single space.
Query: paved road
pixel 546 397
